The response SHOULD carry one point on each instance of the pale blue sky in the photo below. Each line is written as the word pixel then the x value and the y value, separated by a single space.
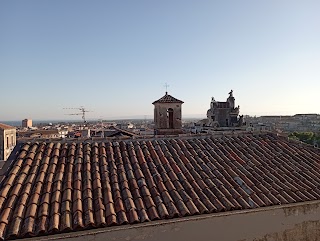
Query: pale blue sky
pixel 113 57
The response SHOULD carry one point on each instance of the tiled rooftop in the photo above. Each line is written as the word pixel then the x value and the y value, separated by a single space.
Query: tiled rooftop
pixel 168 99
pixel 62 187
pixel 6 127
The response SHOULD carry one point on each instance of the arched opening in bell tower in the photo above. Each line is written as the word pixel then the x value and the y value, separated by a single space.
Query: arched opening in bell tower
pixel 170 117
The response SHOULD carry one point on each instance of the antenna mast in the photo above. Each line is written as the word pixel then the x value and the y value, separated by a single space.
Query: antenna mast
pixel 82 112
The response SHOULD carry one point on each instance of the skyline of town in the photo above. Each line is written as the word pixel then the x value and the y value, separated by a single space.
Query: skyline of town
pixel 76 117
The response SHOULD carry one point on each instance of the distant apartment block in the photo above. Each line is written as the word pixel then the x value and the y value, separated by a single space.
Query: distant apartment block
pixel 34 134
pixel 27 123
pixel 7 140
pixel 298 122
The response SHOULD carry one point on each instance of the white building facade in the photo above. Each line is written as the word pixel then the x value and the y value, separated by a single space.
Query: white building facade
pixel 7 140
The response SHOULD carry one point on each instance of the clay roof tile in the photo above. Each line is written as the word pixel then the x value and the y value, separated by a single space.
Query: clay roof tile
pixel 61 187
pixel 167 99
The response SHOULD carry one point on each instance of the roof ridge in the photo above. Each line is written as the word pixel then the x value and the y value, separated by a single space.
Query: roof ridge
pixel 168 99
pixel 5 126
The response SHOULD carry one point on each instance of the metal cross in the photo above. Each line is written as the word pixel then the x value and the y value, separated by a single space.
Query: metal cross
pixel 166 85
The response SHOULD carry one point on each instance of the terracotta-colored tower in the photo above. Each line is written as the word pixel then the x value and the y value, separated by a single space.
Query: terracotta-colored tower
pixel 167 115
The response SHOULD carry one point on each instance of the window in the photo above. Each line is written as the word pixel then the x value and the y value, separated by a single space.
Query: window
pixel 170 115
pixel 7 141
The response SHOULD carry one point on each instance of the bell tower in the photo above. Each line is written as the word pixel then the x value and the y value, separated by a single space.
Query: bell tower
pixel 167 115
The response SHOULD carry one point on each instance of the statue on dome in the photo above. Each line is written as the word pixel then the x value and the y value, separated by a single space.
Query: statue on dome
pixel 213 101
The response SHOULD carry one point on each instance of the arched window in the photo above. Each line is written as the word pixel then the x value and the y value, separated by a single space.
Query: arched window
pixel 170 118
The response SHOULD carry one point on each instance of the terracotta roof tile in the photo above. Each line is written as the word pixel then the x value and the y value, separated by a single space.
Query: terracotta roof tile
pixel 6 127
pixel 167 99
pixel 54 187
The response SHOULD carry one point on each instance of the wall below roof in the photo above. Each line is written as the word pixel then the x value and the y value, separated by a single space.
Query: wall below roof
pixel 293 222
pixel 160 115
pixel 7 142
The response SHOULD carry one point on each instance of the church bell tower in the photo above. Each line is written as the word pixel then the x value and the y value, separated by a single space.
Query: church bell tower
pixel 167 115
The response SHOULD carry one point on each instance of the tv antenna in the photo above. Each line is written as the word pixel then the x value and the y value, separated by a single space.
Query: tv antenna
pixel 82 112
pixel 101 126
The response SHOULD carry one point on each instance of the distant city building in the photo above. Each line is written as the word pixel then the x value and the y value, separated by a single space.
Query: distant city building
pixel 42 134
pixel 117 132
pixel 63 132
pixel 86 133
pixel 27 123
pixel 299 122
pixel 306 116
pixel 167 115
pixel 7 140
pixel 224 114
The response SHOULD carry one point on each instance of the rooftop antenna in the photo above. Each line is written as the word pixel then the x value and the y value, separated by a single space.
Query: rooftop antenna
pixel 145 120
pixel 82 112
pixel 166 86
pixel 101 123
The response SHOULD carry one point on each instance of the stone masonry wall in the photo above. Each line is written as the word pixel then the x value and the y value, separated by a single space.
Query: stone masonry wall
pixel 160 115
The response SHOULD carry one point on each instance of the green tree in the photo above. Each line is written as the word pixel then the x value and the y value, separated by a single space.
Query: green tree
pixel 307 137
